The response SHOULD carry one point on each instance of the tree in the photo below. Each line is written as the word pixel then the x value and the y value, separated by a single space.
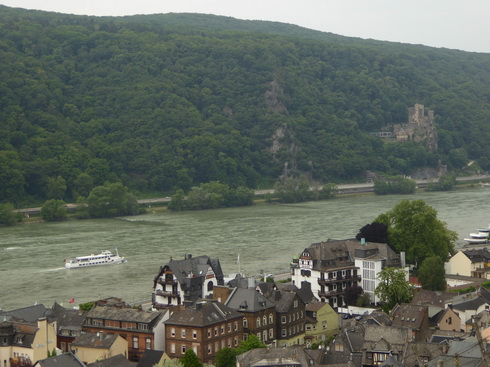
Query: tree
pixel 53 210
pixel 111 200
pixel 168 363
pixel 374 232
pixel 177 202
pixel 82 185
pixel 226 357
pixel 432 275
pixel 56 188
pixel 413 227
pixel 8 216
pixel 393 288
pixel 352 294
pixel 252 342
pixel 292 190
pixel 445 183
pixel 190 359
pixel 394 185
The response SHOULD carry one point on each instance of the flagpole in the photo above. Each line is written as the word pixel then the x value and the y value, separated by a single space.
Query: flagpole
pixel 238 262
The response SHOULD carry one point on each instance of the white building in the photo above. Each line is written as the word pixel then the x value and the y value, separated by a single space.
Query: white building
pixel 186 280
pixel 333 266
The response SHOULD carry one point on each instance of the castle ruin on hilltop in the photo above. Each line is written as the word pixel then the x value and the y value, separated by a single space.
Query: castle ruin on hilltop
pixel 419 128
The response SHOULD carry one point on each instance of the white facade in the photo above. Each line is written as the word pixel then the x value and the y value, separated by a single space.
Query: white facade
pixel 328 286
pixel 169 291
pixel 369 270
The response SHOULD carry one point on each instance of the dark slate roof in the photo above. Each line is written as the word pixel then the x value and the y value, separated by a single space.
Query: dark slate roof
pixel 408 315
pixel 248 300
pixel 283 300
pixel 150 358
pixel 375 250
pixel 63 360
pixel 478 255
pixel 421 350
pixel 68 318
pixel 30 313
pixel 472 304
pixel 391 361
pixel 435 298
pixel 450 361
pixel 26 331
pixel 116 361
pixel 124 314
pixel 378 318
pixel 332 254
pixel 194 268
pixel 203 314
pixel 386 338
pixel 485 294
pixel 293 355
pixel 95 340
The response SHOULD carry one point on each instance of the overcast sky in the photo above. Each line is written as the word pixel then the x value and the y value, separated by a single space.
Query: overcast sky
pixel 455 24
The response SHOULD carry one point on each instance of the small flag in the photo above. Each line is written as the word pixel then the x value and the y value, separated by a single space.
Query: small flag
pixel 72 300
pixel 238 259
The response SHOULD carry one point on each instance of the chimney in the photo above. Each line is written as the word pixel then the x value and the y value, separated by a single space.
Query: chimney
pixel 402 259
pixel 363 241
pixel 306 285
pixel 277 294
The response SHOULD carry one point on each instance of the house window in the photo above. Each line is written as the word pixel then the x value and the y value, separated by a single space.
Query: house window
pixel 258 322
pixel 245 322
pixel 235 325
pixel 295 303
pixel 209 350
pixel 271 333
pixel 63 345
pixel 182 349
pixel 183 333
pixel 194 334
pixel 271 319
pixel 284 332
pixel 215 331
pixel 135 342
pixel 147 343
pixel 172 332
pixel 283 319
pixel 222 329
pixel 236 341
pixel 143 326
pixel 209 333
pixel 264 320
pixel 259 336
pixel 264 336
pixel 449 320
pixel 229 327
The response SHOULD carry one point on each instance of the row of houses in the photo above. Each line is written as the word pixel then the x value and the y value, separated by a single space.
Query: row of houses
pixel 195 308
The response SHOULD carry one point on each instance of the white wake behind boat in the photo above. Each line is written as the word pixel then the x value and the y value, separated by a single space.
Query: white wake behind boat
pixel 104 258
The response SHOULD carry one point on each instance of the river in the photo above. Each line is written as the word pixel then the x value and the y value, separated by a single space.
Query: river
pixel 266 236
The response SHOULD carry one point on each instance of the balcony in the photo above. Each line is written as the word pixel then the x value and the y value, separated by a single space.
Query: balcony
pixel 164 281
pixel 339 279
pixel 161 293
pixel 331 293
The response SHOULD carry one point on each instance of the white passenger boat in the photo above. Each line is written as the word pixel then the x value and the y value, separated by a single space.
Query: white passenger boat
pixel 478 238
pixel 104 258
pixel 475 241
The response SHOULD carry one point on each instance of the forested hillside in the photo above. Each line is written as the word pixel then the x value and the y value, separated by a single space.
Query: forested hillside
pixel 163 102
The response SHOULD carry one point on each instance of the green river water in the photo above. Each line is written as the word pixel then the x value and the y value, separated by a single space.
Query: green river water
pixel 266 237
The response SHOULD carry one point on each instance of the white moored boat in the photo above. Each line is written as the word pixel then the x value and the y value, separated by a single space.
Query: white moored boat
pixel 478 238
pixel 104 258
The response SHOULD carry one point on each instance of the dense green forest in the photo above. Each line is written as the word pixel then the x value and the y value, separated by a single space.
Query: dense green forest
pixel 167 102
